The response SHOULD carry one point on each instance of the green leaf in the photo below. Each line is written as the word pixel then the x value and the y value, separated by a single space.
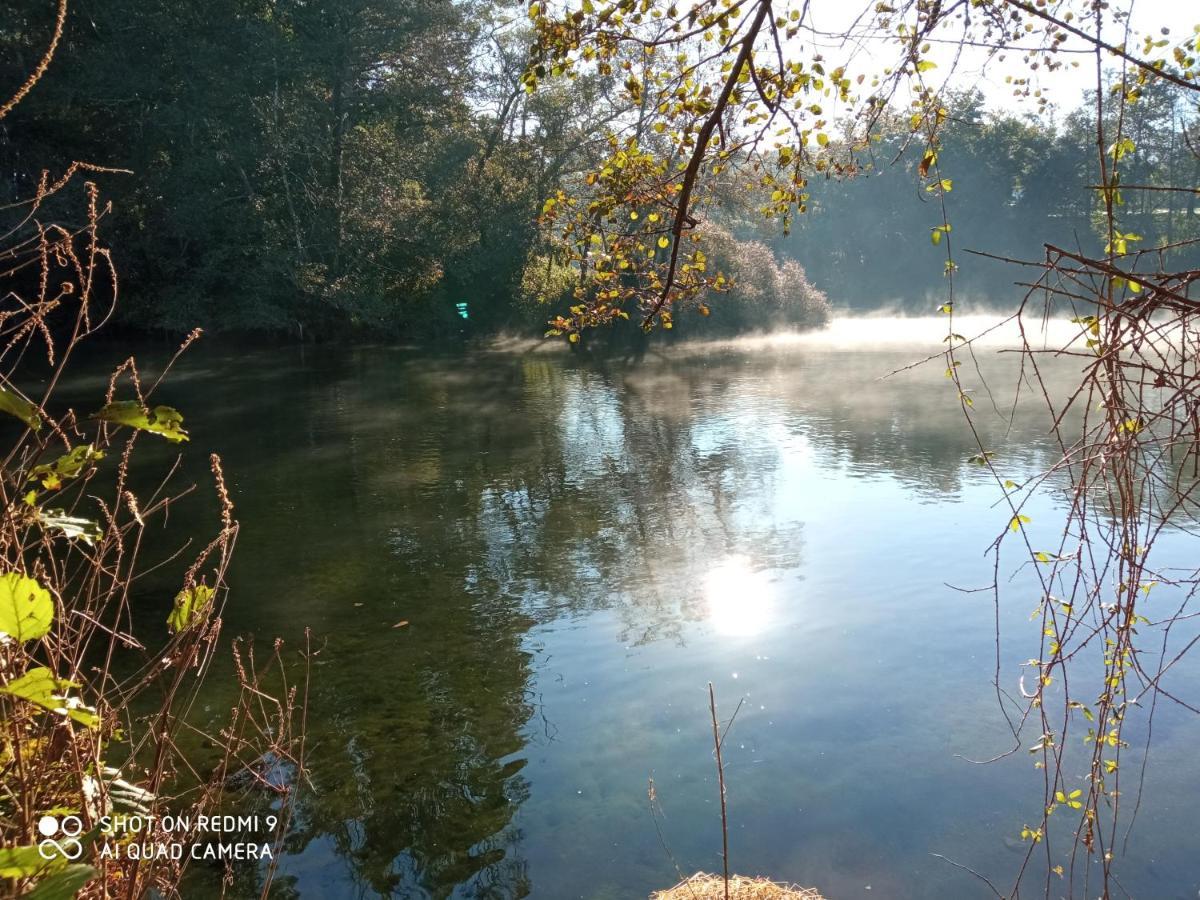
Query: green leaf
pixel 925 65
pixel 16 405
pixel 22 862
pixel 190 605
pixel 64 885
pixel 39 686
pixel 1072 799
pixel 1121 149
pixel 67 466
pixel 71 526
pixel 164 420
pixel 26 608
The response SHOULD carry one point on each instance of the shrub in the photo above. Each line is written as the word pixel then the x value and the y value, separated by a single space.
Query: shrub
pixel 81 737
pixel 765 294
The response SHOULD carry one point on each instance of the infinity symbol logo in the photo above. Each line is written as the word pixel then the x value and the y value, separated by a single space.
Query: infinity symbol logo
pixel 49 848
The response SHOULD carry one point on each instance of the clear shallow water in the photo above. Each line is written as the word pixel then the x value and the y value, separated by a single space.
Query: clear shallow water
pixel 579 548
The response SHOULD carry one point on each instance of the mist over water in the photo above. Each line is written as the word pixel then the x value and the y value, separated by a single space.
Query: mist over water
pixel 866 332
pixel 874 331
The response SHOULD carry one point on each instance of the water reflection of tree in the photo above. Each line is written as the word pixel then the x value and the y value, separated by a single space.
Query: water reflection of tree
pixel 430 728
pixel 629 483
pixel 613 500
pixel 360 513
pixel 475 497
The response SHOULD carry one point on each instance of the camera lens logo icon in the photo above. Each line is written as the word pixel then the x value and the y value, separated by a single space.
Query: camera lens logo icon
pixel 51 847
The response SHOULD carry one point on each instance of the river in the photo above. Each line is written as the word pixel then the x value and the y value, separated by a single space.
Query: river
pixel 579 546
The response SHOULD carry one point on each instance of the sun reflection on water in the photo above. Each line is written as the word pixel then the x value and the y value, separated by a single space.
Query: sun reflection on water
pixel 739 598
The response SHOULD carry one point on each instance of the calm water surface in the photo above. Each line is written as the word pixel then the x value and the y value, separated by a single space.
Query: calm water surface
pixel 579 548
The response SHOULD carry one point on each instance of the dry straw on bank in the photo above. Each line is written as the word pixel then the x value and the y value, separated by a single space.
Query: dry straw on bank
pixel 703 886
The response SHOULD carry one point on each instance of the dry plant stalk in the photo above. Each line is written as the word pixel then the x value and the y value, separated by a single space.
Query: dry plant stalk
pixel 702 886
pixel 712 708
pixel 79 735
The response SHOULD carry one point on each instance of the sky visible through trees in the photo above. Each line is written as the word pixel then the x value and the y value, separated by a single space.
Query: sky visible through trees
pixel 341 167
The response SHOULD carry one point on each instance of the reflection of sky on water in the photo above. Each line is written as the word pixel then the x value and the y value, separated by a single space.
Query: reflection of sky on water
pixel 579 549
pixel 863 675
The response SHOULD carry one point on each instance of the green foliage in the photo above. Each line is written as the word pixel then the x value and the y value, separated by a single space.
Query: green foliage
pixel 546 280
pixel 26 608
pixel 757 290
pixel 1071 800
pixel 58 880
pixel 69 526
pixel 63 885
pixel 1017 183
pixel 364 165
pixel 163 420
pixel 67 466
pixel 302 166
pixel 40 686
pixel 56 279
pixel 21 862
pixel 189 608
pixel 18 406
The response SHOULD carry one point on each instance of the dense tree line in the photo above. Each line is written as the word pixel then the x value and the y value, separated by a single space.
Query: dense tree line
pixel 297 165
pixel 362 165
pixel 1017 183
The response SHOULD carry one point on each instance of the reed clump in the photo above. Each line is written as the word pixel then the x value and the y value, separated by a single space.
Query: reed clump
pixel 703 886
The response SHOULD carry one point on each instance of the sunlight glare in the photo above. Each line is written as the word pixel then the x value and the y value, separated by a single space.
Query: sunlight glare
pixel 739 599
